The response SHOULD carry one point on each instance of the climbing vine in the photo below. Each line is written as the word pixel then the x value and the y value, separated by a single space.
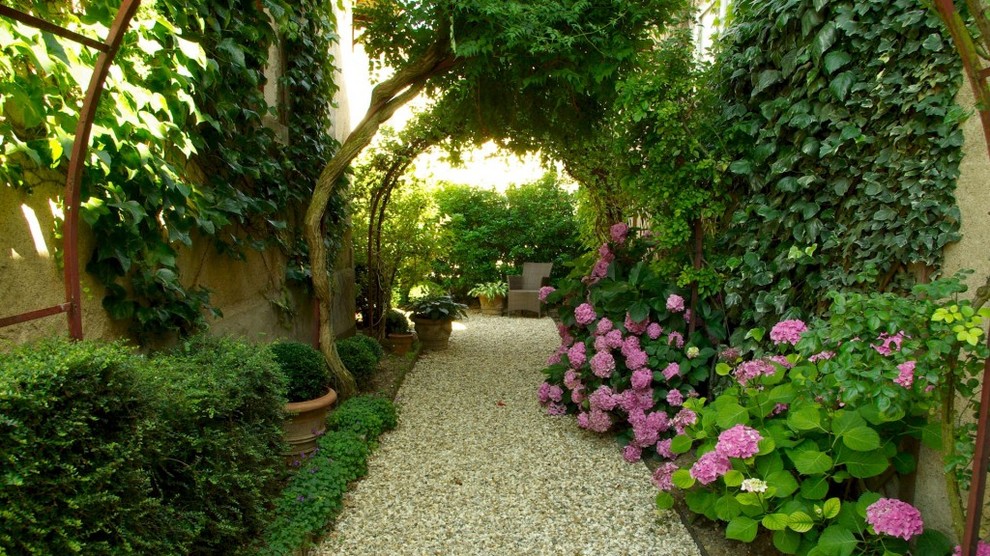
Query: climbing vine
pixel 847 145
pixel 180 147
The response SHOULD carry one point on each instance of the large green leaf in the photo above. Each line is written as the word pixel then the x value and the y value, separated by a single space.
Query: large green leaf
pixel 862 439
pixel 811 462
pixel 742 529
pixel 787 541
pixel 838 541
pixel 804 419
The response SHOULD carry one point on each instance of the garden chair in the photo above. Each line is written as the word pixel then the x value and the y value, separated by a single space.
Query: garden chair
pixel 524 290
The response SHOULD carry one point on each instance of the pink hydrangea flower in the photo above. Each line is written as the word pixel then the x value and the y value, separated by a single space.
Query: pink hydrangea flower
pixel 890 516
pixel 684 419
pixel 577 355
pixel 822 356
pixel 782 361
pixel 599 271
pixel 577 394
pixel 637 359
pixel 543 393
pixel 555 393
pixel 788 331
pixel 709 467
pixel 641 378
pixel 604 325
pixel 636 400
pixel 545 291
pixel 675 398
pixel 614 339
pixel 889 344
pixel 554 358
pixel 632 453
pixel 748 370
pixel 595 421
pixel 654 330
pixel 663 477
pixel 663 449
pixel 629 345
pixel 619 232
pixel 671 371
pixel 779 408
pixel 906 376
pixel 634 327
pixel 572 380
pixel 739 442
pixel 603 398
pixel 675 303
pixel 676 339
pixel 584 314
pixel 603 364
pixel 687 316
pixel 982 549
pixel 556 409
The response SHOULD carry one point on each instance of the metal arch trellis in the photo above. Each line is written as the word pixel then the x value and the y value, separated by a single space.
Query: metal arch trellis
pixel 80 145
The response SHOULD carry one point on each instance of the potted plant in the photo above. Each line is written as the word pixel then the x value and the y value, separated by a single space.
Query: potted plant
pixel 398 332
pixel 491 295
pixel 433 315
pixel 309 395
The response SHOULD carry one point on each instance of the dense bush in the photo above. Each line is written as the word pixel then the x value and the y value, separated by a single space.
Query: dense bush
pixel 71 453
pixel 305 370
pixel 314 494
pixel 629 357
pixel 103 451
pixel 218 437
pixel 357 357
pixel 396 323
pixel 372 344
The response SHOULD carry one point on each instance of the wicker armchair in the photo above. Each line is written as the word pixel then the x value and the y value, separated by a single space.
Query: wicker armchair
pixel 524 290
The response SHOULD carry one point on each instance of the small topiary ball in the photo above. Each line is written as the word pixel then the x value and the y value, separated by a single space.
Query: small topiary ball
pixel 371 344
pixel 357 357
pixel 305 370
pixel 396 323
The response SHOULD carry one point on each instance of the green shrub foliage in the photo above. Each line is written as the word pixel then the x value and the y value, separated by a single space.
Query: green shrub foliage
pixel 372 344
pixel 848 144
pixel 108 452
pixel 314 494
pixel 71 479
pixel 357 357
pixel 396 322
pixel 305 369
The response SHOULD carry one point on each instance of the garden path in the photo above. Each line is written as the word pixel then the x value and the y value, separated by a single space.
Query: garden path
pixel 477 467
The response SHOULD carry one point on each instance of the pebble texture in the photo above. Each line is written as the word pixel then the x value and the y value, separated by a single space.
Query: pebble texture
pixel 477 467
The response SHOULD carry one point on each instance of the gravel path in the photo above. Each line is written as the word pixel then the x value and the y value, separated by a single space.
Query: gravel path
pixel 476 467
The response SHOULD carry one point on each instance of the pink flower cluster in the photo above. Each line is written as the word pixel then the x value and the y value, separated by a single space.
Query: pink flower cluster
pixel 611 340
pixel 889 343
pixel 676 339
pixel 595 421
pixel 619 232
pixel 577 355
pixel 641 378
pixel 822 356
pixel 545 291
pixel 788 331
pixel 710 466
pixel 671 371
pixel 890 516
pixel 603 364
pixel 654 331
pixel 604 326
pixel 739 442
pixel 584 314
pixel 748 370
pixel 600 270
pixel 663 477
pixel 634 327
pixel 906 376
pixel 675 303
pixel 982 548
pixel 603 399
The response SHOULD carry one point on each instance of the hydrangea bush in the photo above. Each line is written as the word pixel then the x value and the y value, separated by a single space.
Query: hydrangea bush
pixel 628 359
pixel 805 440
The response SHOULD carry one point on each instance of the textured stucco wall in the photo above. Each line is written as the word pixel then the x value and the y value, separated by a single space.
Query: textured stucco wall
pixel 972 252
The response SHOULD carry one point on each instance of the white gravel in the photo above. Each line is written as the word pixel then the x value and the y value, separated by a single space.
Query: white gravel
pixel 477 467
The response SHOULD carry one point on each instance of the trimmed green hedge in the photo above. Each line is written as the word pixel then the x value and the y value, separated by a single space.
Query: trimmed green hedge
pixel 103 451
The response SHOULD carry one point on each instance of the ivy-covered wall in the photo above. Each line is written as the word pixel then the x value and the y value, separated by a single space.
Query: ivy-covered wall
pixel 195 184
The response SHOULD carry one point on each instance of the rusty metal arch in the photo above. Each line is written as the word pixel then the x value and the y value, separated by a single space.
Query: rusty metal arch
pixel 77 160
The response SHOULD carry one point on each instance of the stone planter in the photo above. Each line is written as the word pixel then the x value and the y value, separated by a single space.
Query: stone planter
pixel 304 423
pixel 491 305
pixel 401 342
pixel 433 334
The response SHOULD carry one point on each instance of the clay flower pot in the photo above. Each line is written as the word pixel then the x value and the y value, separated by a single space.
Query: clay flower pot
pixel 304 423
pixel 491 305
pixel 433 334
pixel 401 342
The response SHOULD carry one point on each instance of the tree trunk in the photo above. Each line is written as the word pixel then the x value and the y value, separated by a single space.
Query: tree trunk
pixel 386 98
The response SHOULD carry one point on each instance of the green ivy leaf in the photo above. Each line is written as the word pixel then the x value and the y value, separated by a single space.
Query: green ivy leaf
pixel 836 59
pixel 839 86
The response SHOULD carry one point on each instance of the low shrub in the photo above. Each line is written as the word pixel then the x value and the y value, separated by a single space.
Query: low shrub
pixel 367 416
pixel 305 370
pixel 72 478
pixel 372 344
pixel 315 493
pixel 218 437
pixel 358 358
pixel 396 323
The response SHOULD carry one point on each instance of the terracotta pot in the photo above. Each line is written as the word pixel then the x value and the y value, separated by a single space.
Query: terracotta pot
pixel 401 342
pixel 433 334
pixel 304 423
pixel 491 305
